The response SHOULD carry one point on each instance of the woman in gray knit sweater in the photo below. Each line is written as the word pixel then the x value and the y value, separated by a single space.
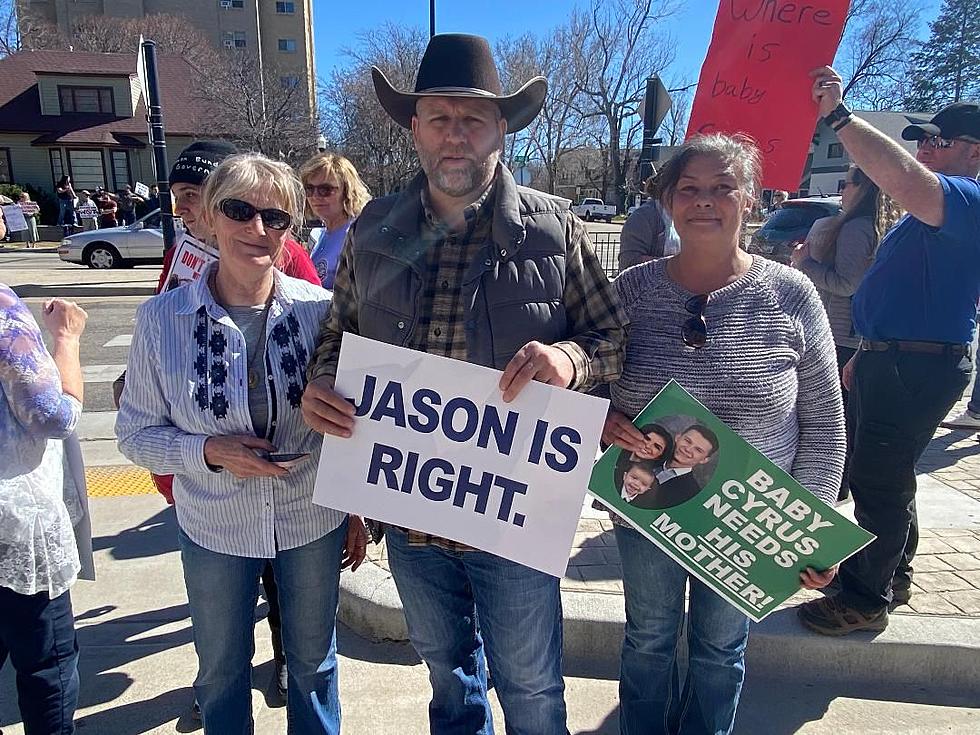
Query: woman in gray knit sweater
pixel 749 338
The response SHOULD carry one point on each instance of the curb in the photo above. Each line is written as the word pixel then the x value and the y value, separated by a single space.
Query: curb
pixel 915 650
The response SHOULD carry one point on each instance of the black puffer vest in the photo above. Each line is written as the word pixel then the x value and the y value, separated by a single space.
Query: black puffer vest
pixel 513 291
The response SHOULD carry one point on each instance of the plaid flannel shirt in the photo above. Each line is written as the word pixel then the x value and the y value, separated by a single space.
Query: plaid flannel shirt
pixel 595 318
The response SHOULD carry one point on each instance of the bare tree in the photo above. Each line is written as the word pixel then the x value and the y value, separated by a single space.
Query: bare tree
pixel 9 32
pixel 20 30
pixel 354 121
pixel 614 49
pixel 517 62
pixel 174 35
pixel 879 37
pixel 559 129
pixel 261 109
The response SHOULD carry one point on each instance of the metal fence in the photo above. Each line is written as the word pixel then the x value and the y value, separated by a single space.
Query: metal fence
pixel 607 250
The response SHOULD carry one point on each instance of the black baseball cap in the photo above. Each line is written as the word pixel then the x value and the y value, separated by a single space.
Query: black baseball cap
pixel 958 120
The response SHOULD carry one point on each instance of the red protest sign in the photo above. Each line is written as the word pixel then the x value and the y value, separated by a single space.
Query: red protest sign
pixel 755 78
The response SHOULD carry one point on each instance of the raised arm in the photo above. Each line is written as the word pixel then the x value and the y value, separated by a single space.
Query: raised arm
pixel 891 167
pixel 30 377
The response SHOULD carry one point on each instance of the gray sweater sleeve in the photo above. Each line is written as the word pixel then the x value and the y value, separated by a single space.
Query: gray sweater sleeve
pixel 819 462
pixel 642 237
pixel 855 250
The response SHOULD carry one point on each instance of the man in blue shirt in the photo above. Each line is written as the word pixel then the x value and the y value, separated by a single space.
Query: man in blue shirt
pixel 915 311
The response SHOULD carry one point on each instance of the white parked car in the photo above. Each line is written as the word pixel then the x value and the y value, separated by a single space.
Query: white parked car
pixel 117 247
pixel 590 209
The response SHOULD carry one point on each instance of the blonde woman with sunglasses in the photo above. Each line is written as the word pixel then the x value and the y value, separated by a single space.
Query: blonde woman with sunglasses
pixel 215 377
pixel 335 194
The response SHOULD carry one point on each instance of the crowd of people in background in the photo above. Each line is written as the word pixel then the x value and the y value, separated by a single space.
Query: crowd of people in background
pixel 878 314
pixel 91 210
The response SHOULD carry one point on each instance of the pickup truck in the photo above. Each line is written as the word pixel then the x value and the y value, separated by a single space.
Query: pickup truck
pixel 591 209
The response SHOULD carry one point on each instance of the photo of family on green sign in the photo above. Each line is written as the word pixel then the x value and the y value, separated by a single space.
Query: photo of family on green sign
pixel 717 506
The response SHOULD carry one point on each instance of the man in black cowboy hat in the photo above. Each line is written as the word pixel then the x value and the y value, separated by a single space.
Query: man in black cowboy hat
pixel 466 264
pixel 916 313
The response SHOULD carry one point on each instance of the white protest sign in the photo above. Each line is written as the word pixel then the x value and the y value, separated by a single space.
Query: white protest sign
pixel 14 216
pixel 141 190
pixel 190 260
pixel 436 449
pixel 87 211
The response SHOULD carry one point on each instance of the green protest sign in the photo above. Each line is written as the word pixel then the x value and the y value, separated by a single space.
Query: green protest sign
pixel 719 508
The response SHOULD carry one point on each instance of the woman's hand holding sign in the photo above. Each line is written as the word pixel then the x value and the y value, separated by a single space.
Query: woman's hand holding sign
pixel 811 579
pixel 619 430
pixel 536 361
pixel 325 410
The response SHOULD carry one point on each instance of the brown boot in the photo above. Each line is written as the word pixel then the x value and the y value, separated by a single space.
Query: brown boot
pixel 829 616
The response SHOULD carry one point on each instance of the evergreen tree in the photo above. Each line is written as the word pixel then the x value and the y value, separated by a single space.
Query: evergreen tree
pixel 946 68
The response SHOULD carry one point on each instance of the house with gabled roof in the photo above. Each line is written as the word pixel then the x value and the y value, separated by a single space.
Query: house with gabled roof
pixel 83 114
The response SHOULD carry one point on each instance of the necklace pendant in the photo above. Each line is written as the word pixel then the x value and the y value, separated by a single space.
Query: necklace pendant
pixel 253 379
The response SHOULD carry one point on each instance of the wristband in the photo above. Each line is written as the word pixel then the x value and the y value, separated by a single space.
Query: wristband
pixel 843 123
pixel 838 114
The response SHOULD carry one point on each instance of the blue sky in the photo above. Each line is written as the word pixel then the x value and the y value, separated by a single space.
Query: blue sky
pixel 336 23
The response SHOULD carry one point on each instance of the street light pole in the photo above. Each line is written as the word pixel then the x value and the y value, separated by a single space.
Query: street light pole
pixel 432 18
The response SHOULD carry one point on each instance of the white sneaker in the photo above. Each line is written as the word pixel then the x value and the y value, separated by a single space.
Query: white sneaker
pixel 965 420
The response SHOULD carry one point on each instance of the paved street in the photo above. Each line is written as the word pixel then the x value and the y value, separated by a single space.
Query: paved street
pixel 137 660
pixel 109 297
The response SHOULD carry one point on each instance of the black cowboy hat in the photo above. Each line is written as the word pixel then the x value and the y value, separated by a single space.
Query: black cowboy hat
pixel 460 65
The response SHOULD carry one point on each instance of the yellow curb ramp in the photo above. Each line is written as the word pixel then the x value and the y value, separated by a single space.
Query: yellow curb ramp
pixel 114 482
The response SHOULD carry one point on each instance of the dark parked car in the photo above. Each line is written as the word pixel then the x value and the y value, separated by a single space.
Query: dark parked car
pixel 788 226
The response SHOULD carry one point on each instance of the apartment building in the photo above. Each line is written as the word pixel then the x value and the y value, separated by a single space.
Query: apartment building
pixel 278 32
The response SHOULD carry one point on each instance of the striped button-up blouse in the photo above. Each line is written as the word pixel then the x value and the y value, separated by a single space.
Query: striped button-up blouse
pixel 187 380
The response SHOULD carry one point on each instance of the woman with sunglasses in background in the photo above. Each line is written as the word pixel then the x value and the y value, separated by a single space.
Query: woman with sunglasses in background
pixel 215 377
pixel 837 253
pixel 335 195
pixel 749 338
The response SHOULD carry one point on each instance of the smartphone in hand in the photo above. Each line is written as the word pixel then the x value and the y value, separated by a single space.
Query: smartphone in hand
pixel 287 461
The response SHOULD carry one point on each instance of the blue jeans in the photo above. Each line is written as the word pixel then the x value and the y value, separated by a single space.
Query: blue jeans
pixel 651 700
pixel 38 635
pixel 519 610
pixel 974 405
pixel 222 591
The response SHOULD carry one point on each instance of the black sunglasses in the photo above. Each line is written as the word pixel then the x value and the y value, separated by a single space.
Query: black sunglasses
pixel 695 329
pixel 239 211
pixel 320 190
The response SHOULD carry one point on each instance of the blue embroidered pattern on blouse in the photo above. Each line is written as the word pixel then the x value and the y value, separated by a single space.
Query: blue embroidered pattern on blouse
pixel 292 358
pixel 210 365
